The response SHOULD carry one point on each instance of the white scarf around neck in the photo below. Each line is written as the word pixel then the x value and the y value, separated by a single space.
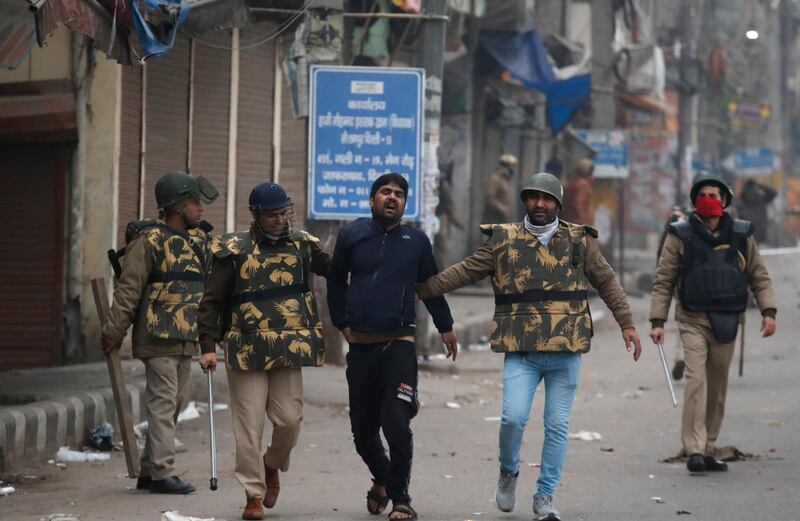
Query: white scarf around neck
pixel 543 233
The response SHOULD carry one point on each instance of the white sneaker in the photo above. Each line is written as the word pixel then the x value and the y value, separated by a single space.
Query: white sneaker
pixel 544 509
pixel 505 495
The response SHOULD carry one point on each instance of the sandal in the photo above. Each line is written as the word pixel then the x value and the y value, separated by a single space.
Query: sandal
pixel 382 501
pixel 404 509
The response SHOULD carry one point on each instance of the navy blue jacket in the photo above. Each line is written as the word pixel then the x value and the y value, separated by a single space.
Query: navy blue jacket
pixel 383 269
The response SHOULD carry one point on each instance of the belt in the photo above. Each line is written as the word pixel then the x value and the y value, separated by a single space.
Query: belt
pixel 539 295
pixel 172 276
pixel 270 294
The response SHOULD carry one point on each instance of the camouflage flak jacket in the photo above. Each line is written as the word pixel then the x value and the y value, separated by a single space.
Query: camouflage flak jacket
pixel 176 283
pixel 273 318
pixel 523 266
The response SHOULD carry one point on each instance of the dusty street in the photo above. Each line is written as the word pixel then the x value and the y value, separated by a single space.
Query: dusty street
pixel 455 458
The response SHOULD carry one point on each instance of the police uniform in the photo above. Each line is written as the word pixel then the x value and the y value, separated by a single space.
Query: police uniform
pixel 159 291
pixel 258 300
pixel 712 272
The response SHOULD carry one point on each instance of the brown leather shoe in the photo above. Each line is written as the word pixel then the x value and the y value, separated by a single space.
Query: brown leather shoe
pixel 273 486
pixel 252 509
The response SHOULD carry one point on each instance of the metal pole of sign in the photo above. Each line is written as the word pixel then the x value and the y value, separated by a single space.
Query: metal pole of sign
pixel 666 374
pixel 621 232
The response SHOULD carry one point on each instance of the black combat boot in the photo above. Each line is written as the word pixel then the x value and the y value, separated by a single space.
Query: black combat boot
pixel 714 465
pixel 696 463
pixel 171 485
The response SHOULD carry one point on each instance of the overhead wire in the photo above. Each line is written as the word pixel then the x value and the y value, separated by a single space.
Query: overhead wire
pixel 257 40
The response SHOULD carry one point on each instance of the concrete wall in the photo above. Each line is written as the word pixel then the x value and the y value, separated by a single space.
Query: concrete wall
pixel 102 138
pixel 51 62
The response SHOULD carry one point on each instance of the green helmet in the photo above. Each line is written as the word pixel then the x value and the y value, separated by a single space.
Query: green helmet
pixel 177 186
pixel 705 177
pixel 547 183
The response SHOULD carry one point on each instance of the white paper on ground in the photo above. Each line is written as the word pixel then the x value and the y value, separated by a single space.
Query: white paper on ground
pixel 585 436
pixel 189 413
pixel 170 515
pixel 4 491
pixel 69 455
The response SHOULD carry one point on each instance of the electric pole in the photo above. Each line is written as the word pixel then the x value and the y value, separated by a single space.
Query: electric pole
pixel 430 56
pixel 688 86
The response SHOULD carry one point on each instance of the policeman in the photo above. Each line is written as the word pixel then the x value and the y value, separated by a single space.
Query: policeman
pixel 712 259
pixel 541 269
pixel 158 292
pixel 258 299
pixel 499 204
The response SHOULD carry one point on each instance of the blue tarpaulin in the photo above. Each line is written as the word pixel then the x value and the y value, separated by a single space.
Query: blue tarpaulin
pixel 525 58
pixel 157 40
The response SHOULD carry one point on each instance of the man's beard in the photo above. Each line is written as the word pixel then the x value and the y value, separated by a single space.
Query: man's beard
pixel 188 223
pixel 384 220
pixel 543 222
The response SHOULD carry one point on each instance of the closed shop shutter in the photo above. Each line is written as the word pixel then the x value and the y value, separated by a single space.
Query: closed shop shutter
pixel 294 151
pixel 130 148
pixel 31 267
pixel 254 140
pixel 167 117
pixel 211 108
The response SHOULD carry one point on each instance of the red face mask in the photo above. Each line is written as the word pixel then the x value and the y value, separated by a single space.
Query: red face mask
pixel 708 206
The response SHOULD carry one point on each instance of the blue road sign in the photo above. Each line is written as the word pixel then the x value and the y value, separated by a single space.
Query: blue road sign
pixel 751 161
pixel 363 122
pixel 611 161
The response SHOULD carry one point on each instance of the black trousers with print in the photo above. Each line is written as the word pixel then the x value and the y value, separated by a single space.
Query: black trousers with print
pixel 382 382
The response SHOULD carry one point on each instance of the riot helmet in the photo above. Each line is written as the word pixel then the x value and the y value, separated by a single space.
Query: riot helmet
pixel 547 183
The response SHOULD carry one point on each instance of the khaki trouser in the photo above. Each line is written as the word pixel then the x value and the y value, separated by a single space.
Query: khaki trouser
pixel 164 398
pixel 279 394
pixel 707 365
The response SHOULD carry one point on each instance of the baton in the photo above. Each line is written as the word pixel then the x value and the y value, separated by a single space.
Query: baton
pixel 666 373
pixel 741 346
pixel 213 447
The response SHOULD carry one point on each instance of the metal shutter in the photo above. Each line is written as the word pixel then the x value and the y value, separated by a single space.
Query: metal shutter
pixel 130 148
pixel 254 143
pixel 32 201
pixel 167 117
pixel 211 107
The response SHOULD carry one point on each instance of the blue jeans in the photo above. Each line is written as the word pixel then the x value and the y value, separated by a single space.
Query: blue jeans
pixel 522 372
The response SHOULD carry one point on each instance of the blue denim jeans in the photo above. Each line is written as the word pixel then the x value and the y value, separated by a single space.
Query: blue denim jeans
pixel 522 372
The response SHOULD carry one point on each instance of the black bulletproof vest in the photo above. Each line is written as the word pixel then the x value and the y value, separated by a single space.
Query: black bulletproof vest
pixel 710 279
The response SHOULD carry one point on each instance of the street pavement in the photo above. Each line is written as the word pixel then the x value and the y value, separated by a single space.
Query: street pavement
pixel 455 460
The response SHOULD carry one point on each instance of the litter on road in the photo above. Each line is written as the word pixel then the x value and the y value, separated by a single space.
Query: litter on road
pixel 69 455
pixel 203 407
pixel 62 517
pixel 189 413
pixel 170 515
pixel 5 491
pixel 100 436
pixel 585 436
pixel 491 418
pixel 452 405
pixel 657 499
